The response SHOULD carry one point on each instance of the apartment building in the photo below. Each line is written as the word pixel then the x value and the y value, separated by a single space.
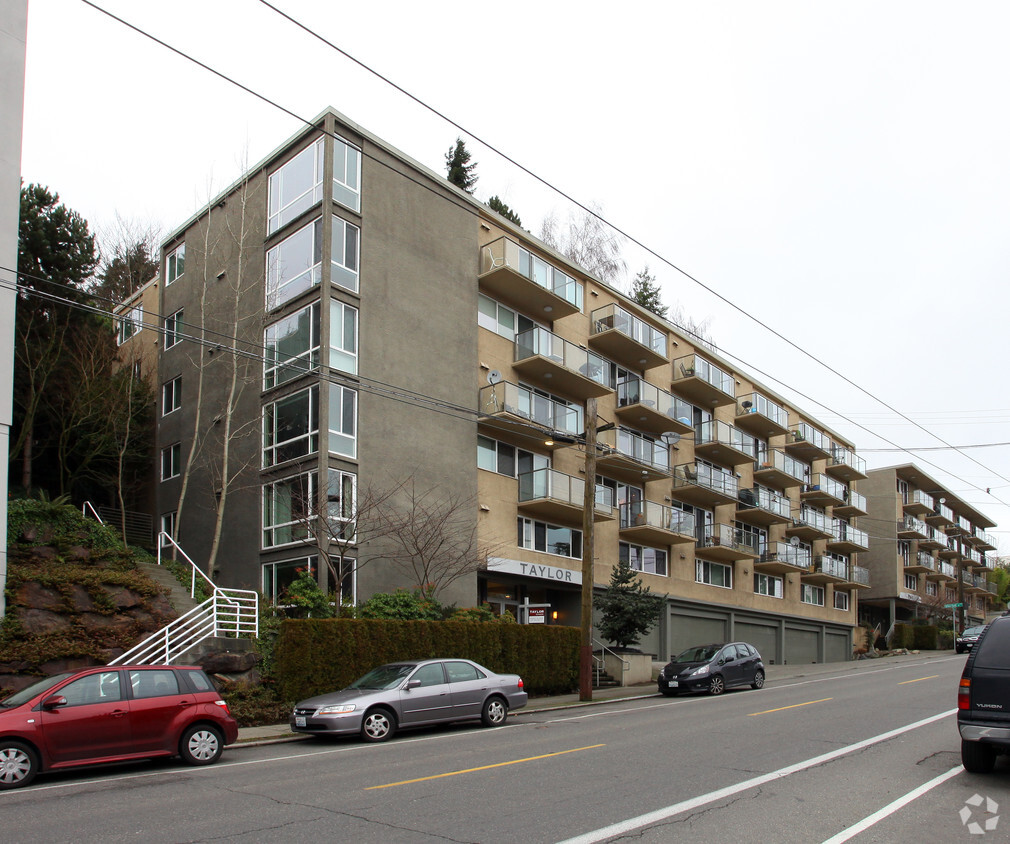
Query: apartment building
pixel 387 325
pixel 929 550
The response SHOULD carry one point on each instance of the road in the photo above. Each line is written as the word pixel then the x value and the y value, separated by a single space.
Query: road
pixel 803 760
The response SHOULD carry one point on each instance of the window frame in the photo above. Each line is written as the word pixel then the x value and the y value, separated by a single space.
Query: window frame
pixel 299 525
pixel 761 577
pixel 130 324
pixel 173 329
pixel 703 573
pixel 529 537
pixel 175 264
pixel 809 592
pixel 171 394
pixel 340 413
pixel 279 216
pixel 624 551
pixel 280 287
pixel 344 185
pixel 339 311
pixel 174 454
pixel 340 268
pixel 274 364
pixel 271 445
pixel 840 593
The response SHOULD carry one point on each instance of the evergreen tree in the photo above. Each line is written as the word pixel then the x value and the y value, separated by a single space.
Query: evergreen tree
pixel 628 609
pixel 495 204
pixel 458 168
pixel 645 291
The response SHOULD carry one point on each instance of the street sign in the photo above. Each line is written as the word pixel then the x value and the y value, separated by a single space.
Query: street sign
pixel 952 606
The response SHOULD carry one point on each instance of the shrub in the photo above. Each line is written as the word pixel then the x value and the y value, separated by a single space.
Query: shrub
pixel 924 637
pixel 401 605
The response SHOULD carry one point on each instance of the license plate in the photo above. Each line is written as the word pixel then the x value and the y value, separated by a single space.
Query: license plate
pixel 299 720
pixel 672 684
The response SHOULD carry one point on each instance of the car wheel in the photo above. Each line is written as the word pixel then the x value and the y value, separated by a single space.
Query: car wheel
pixel 18 764
pixel 716 686
pixel 494 713
pixel 977 758
pixel 201 744
pixel 959 650
pixel 759 680
pixel 378 725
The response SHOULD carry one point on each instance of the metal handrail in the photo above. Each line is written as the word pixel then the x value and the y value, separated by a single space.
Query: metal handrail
pixel 195 568
pixel 601 663
pixel 87 506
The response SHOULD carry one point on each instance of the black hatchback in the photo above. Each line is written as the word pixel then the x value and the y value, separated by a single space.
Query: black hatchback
pixel 983 699
pixel 713 669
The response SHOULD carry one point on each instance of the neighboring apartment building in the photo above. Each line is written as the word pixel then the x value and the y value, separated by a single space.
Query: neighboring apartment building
pixel 928 549
pixel 410 331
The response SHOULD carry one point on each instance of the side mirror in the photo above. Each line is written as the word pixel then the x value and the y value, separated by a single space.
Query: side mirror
pixel 54 701
pixel 412 684
pixel 722 660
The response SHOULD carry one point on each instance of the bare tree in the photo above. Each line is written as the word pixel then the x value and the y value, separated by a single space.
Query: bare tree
pixel 697 330
pixel 129 249
pixel 587 240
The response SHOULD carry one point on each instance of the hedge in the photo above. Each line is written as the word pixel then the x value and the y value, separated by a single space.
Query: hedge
pixel 920 637
pixel 315 656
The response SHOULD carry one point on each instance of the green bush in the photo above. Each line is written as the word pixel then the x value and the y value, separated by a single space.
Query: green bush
pixel 316 656
pixel 901 637
pixel 43 522
pixel 403 605
pixel 924 637
pixel 945 639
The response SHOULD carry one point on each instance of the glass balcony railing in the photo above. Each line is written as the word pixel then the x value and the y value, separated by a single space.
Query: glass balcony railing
pixel 504 252
pixel 793 555
pixel 766 500
pixel 703 475
pixel 856 500
pixel 829 486
pixel 824 564
pixel 841 456
pixel 506 397
pixel 722 433
pixel 815 519
pixel 756 403
pixel 978 582
pixel 809 434
pixel 964 524
pixel 925 559
pixel 772 458
pixel 985 538
pixel 860 575
pixel 728 536
pixel 639 448
pixel 946 569
pixel 541 342
pixel 917 496
pixel 974 556
pixel 910 524
pixel 695 366
pixel 842 531
pixel 614 317
pixel 637 391
pixel 654 514
pixel 944 512
pixel 557 486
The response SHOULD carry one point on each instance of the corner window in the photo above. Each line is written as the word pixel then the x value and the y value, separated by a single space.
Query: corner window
pixel 129 324
pixel 294 265
pixel 295 187
pixel 343 337
pixel 343 420
pixel 288 508
pixel 277 577
pixel 173 329
pixel 344 258
pixel 346 174
pixel 291 427
pixel 341 501
pixel 292 347
pixel 175 264
pixel 171 396
pixel 171 461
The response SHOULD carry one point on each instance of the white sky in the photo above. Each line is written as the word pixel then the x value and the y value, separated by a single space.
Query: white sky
pixel 839 170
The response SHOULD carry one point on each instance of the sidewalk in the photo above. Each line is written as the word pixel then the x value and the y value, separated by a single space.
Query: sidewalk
pixel 774 674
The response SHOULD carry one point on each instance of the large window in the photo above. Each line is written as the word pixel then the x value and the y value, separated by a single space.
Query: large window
pixel 173 329
pixel 641 558
pixel 130 323
pixel 810 594
pixel 341 503
pixel 497 318
pixel 295 187
pixel 714 574
pixel 344 258
pixel 841 600
pixel 550 539
pixel 506 459
pixel 912 582
pixel 343 420
pixel 168 521
pixel 766 584
pixel 291 427
pixel 295 264
pixel 346 174
pixel 277 577
pixel 171 395
pixel 288 507
pixel 175 264
pixel 292 347
pixel 171 461
pixel 343 337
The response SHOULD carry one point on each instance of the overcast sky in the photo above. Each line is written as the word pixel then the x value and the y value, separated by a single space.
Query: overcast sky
pixel 838 170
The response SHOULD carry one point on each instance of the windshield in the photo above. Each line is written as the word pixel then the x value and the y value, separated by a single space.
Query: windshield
pixel 973 631
pixel 696 654
pixel 26 695
pixel 383 677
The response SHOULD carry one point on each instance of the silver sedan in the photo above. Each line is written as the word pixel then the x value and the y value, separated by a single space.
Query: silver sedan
pixel 412 693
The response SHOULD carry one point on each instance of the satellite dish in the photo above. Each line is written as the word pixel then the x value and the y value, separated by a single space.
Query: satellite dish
pixel 493 377
pixel 670 437
pixel 794 541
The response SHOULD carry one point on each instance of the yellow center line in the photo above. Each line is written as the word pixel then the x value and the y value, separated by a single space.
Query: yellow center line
pixel 485 767
pixel 930 677
pixel 808 703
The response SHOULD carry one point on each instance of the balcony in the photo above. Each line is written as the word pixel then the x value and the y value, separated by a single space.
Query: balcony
pixel 941 516
pixel 845 464
pixel 982 540
pixel 723 443
pixel 944 571
pixel 855 506
pixel 845 539
pixel 564 368
pixel 968 582
pixel 652 523
pixel 827 569
pixel 859 577
pixel 783 558
pixel 918 503
pixel 807 442
pixel 629 456
pixel 553 495
pixel 699 483
pixel 780 469
pixel 951 551
pixel 517 277
pixel 921 562
pixel 934 540
pixel 725 543
pixel 513 408
pixel 703 382
pixel 824 490
pixel 761 416
pixel 912 528
pixel 991 588
pixel 644 406
pixel 627 339
pixel 761 506
pixel 811 524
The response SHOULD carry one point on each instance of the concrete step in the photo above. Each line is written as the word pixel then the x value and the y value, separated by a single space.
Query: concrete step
pixel 178 595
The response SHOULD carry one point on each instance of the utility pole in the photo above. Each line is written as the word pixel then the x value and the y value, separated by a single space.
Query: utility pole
pixel 588 549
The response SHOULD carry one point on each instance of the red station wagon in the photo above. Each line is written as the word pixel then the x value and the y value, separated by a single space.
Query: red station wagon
pixel 112 714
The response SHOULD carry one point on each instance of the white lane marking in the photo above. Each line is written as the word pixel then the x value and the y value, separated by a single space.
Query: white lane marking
pixel 892 807
pixel 631 824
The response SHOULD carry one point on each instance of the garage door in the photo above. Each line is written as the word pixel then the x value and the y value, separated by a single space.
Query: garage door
pixel 688 630
pixel 761 636
pixel 801 646
pixel 837 647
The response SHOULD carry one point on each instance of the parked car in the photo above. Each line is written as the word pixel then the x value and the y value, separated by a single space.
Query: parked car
pixel 713 669
pixel 112 714
pixel 983 699
pixel 967 639
pixel 411 693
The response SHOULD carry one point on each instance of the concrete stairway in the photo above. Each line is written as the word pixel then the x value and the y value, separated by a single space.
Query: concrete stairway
pixel 178 595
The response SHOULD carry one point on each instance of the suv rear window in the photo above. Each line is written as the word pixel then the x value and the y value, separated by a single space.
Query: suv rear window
pixel 994 649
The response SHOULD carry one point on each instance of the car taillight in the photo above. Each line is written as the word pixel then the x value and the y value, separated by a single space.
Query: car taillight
pixel 520 684
pixel 964 694
pixel 223 705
